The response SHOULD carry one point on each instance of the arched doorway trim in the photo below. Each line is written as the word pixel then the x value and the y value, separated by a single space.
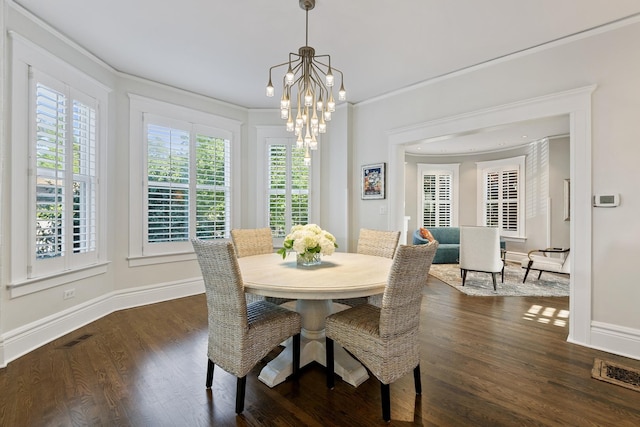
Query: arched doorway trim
pixel 577 104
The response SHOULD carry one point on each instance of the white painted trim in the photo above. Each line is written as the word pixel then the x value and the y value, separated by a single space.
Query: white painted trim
pixel 615 339
pixel 22 340
pixel 577 104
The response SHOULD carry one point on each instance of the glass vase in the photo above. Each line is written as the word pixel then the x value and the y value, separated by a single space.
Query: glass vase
pixel 308 259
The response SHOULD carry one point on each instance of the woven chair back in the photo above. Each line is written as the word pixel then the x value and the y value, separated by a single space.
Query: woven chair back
pixel 226 304
pixel 400 311
pixel 378 243
pixel 252 241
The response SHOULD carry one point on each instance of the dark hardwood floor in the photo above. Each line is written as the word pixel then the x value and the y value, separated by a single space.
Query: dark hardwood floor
pixel 485 362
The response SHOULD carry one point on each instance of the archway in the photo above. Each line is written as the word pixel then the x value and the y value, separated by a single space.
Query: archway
pixel 577 104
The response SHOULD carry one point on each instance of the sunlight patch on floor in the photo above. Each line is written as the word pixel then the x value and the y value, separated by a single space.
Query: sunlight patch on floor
pixel 547 315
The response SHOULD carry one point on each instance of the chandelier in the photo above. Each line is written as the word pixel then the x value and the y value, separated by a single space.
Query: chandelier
pixel 307 90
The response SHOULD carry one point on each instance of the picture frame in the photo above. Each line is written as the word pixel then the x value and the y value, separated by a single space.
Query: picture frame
pixel 372 181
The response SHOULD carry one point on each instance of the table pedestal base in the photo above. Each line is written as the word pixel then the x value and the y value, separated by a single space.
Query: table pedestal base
pixel 312 348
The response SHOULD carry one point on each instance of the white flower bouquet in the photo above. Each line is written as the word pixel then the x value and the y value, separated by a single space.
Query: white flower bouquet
pixel 308 241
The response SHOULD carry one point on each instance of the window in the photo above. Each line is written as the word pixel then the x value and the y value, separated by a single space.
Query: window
pixel 58 130
pixel 187 191
pixel 502 195
pixel 188 183
pixel 288 186
pixel 437 195
pixel 65 180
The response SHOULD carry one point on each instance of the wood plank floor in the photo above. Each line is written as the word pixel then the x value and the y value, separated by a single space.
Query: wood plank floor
pixel 486 361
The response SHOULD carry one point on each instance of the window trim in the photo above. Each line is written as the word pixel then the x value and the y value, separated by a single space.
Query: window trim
pixel 264 135
pixel 517 162
pixel 26 56
pixel 435 168
pixel 140 105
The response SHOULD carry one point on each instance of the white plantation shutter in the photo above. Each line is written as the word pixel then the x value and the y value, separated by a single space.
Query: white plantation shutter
pixel 429 204
pixel 84 178
pixel 168 184
pixel 188 183
pixel 65 179
pixel 492 199
pixel 213 187
pixel 51 165
pixel 445 197
pixel 437 198
pixel 299 187
pixel 502 196
pixel 288 186
pixel 510 200
pixel 278 189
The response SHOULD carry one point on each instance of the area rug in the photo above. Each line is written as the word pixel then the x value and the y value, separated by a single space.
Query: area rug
pixel 480 284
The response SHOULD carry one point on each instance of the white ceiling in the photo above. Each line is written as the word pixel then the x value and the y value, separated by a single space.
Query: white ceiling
pixel 223 49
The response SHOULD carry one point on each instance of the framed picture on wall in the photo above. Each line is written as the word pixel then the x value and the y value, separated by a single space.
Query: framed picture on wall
pixel 372 180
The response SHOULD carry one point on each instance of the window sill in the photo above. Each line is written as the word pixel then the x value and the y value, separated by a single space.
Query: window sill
pixel 30 286
pixel 514 239
pixel 140 261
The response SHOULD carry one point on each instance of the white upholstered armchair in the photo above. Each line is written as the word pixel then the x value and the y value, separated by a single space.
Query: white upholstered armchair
pixel 480 251
pixel 553 260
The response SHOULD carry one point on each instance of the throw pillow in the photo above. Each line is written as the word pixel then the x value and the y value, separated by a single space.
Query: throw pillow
pixel 426 234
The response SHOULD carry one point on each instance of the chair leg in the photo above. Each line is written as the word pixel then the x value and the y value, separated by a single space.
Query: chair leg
pixel 240 388
pixel 464 276
pixel 493 277
pixel 527 272
pixel 386 402
pixel 416 379
pixel 210 366
pixel 540 275
pixel 329 360
pixel 296 355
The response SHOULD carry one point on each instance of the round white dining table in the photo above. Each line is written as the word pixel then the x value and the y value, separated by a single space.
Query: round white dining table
pixel 340 275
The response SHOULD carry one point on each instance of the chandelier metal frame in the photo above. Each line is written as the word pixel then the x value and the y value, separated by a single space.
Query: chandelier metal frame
pixel 309 82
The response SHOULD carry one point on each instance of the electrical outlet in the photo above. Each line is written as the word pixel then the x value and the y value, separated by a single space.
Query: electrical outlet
pixel 69 293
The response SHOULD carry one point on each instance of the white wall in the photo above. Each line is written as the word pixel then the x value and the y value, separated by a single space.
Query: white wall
pixel 609 60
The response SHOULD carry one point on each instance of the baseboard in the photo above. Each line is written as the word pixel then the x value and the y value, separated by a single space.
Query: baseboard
pixel 615 339
pixel 20 341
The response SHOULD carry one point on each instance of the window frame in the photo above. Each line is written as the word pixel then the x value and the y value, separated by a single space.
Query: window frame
pixel 500 166
pixel 452 169
pixel 28 64
pixel 140 252
pixel 267 135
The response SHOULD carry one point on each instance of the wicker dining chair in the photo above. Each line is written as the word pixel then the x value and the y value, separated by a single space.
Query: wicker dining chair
pixel 386 339
pixel 254 241
pixel 240 334
pixel 377 243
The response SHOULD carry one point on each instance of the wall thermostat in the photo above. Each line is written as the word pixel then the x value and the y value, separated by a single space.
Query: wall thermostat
pixel 606 200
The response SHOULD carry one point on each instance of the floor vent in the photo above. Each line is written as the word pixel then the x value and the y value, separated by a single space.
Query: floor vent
pixel 616 374
pixel 77 340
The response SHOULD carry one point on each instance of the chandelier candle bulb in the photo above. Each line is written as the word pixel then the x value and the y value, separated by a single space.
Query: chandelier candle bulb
pixel 312 77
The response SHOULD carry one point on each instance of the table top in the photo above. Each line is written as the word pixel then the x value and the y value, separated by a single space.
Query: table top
pixel 341 275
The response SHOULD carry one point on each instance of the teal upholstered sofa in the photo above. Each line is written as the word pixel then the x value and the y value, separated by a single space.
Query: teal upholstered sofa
pixel 449 244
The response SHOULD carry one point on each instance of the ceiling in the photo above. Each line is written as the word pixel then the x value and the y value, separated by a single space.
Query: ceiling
pixel 223 49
